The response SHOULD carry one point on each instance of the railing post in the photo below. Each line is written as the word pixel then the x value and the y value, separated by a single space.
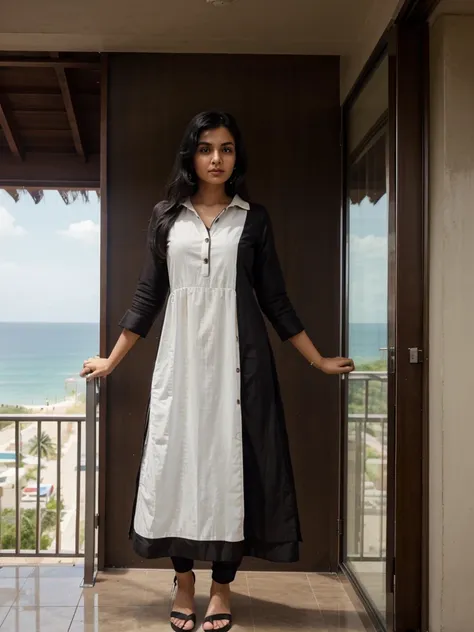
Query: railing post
pixel 90 500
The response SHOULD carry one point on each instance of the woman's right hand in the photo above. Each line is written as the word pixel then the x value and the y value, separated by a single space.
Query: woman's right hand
pixel 96 367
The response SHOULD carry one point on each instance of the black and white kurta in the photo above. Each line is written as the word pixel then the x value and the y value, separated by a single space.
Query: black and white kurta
pixel 216 479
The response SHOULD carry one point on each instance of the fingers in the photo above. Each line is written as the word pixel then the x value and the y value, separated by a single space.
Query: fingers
pixel 89 367
pixel 346 362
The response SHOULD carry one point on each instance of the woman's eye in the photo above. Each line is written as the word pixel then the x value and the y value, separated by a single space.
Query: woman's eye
pixel 204 150
pixel 228 150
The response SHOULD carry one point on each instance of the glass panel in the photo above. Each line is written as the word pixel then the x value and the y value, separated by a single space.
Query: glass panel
pixel 370 107
pixel 366 525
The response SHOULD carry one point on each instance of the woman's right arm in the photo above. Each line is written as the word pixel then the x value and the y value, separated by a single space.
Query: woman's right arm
pixel 148 300
pixel 101 367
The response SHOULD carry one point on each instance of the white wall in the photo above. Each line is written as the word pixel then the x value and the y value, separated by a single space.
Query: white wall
pixel 452 325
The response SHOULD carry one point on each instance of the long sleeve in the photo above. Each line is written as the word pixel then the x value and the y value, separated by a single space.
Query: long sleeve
pixel 150 294
pixel 270 285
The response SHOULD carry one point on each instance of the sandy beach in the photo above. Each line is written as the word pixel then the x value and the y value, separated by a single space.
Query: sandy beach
pixel 57 408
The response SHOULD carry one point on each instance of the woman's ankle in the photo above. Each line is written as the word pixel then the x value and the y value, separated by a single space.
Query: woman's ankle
pixel 185 580
pixel 216 588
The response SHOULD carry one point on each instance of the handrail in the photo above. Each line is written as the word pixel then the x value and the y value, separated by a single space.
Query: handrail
pixel 90 518
pixel 33 417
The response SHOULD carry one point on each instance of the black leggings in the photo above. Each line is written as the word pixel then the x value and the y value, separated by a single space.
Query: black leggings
pixel 222 572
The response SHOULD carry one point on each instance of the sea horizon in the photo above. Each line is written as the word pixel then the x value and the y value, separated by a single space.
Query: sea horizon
pixel 40 361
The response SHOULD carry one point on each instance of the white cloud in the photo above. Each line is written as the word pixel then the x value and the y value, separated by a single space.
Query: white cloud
pixel 50 292
pixel 8 226
pixel 8 266
pixel 86 231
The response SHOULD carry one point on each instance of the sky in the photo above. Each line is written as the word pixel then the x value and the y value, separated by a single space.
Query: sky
pixel 49 259
pixel 368 261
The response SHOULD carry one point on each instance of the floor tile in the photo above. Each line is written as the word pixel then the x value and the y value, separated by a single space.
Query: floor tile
pixel 50 591
pixel 58 571
pixel 9 590
pixel 44 599
pixel 120 619
pixel 280 589
pixel 4 610
pixel 130 588
pixel 17 571
pixel 30 619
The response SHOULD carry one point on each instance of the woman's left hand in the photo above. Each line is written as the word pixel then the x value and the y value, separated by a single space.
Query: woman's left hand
pixel 336 366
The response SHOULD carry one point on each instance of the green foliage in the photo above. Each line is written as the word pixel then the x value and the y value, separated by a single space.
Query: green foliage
pixel 376 391
pixel 48 522
pixel 27 530
pixel 6 409
pixel 43 445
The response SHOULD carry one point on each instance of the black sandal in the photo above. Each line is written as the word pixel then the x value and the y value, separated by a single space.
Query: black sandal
pixel 174 614
pixel 182 617
pixel 219 617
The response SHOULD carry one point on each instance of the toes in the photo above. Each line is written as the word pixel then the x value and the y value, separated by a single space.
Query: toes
pixel 207 625
pixel 183 625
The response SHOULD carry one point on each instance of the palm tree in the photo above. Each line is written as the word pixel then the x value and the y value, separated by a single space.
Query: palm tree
pixel 43 445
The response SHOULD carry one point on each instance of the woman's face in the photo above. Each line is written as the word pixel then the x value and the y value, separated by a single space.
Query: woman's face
pixel 215 156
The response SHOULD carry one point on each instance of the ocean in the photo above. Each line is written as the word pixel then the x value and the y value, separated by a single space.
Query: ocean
pixel 367 342
pixel 40 362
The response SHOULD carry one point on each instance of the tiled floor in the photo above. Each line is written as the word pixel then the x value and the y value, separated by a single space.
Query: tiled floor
pixel 50 599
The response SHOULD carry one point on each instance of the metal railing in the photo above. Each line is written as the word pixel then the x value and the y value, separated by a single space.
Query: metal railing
pixel 44 519
pixel 367 430
pixel 91 515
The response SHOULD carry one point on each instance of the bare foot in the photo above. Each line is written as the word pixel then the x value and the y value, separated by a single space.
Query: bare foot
pixel 184 600
pixel 219 604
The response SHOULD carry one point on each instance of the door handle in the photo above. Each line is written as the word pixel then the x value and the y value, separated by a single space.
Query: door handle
pixel 415 355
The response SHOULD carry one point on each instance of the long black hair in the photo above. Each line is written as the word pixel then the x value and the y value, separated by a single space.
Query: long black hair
pixel 183 182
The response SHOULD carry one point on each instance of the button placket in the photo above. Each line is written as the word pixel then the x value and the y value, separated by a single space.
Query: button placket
pixel 205 251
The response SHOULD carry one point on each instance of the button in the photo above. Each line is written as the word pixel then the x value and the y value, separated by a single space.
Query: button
pixel 206 261
pixel 238 402
pixel 217 219
pixel 238 370
pixel 207 240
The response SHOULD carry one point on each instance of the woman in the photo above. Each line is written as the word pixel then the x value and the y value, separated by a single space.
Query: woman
pixel 216 480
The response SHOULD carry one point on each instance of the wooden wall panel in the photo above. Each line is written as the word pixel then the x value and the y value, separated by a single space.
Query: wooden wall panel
pixel 288 109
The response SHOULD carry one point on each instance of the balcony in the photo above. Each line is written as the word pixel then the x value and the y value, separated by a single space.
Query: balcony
pixel 50 599
pixel 48 485
pixel 47 565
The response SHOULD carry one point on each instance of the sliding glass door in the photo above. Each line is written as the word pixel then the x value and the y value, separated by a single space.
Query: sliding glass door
pixel 366 401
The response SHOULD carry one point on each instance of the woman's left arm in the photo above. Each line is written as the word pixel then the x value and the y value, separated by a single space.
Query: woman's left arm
pixel 275 304
pixel 331 366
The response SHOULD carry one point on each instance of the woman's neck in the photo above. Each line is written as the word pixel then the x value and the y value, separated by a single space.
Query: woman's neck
pixel 210 195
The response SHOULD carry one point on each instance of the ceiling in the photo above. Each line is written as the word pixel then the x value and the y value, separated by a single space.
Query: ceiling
pixel 328 27
pixel 50 108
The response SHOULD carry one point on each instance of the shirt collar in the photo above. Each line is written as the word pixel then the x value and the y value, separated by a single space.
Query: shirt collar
pixel 237 202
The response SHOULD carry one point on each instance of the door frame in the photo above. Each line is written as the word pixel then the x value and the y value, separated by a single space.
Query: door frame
pixel 405 42
pixel 382 126
pixel 103 336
